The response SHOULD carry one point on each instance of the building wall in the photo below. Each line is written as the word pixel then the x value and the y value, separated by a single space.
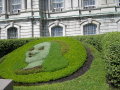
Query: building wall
pixel 73 26
pixel 24 28
pixel 37 19
pixel 27 21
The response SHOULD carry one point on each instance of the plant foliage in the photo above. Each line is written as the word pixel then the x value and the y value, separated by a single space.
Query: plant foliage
pixel 94 40
pixel 111 47
pixel 6 46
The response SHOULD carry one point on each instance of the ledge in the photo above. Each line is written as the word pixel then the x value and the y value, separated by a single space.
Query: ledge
pixel 6 84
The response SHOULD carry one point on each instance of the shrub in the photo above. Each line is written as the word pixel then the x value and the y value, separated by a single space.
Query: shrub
pixel 111 47
pixel 7 46
pixel 94 40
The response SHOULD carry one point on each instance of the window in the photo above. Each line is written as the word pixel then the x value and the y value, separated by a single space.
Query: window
pixel 57 5
pixel 88 4
pixel 57 31
pixel 12 33
pixel 1 6
pixel 15 6
pixel 89 29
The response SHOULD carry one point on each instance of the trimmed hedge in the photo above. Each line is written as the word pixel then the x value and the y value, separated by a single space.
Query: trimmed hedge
pixel 76 57
pixel 7 46
pixel 111 47
pixel 95 40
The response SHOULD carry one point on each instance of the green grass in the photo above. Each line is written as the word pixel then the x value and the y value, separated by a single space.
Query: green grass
pixel 54 61
pixel 93 79
pixel 76 56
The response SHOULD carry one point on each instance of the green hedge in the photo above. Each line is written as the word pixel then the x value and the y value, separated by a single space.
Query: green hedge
pixel 94 40
pixel 111 48
pixel 6 46
pixel 109 45
pixel 76 57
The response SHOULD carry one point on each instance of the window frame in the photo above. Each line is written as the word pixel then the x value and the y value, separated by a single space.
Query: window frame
pixel 90 30
pixel 55 2
pixel 15 4
pixel 9 31
pixel 58 29
pixel 88 4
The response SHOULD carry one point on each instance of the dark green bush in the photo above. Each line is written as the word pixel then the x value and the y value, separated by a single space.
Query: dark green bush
pixel 111 47
pixel 94 40
pixel 6 46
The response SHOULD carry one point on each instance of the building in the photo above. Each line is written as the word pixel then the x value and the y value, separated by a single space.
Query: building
pixel 40 18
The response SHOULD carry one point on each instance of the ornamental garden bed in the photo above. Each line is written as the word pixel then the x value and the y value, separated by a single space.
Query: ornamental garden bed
pixel 43 60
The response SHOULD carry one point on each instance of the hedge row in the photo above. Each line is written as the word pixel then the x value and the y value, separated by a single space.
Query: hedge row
pixel 111 48
pixel 6 46
pixel 109 45
pixel 94 40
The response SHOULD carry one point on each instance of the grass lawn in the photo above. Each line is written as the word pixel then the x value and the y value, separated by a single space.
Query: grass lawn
pixel 93 79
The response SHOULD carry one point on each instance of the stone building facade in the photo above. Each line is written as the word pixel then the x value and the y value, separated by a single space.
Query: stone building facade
pixel 41 18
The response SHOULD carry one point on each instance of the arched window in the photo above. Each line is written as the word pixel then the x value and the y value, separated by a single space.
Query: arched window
pixel 89 29
pixel 88 4
pixel 57 31
pixel 12 33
